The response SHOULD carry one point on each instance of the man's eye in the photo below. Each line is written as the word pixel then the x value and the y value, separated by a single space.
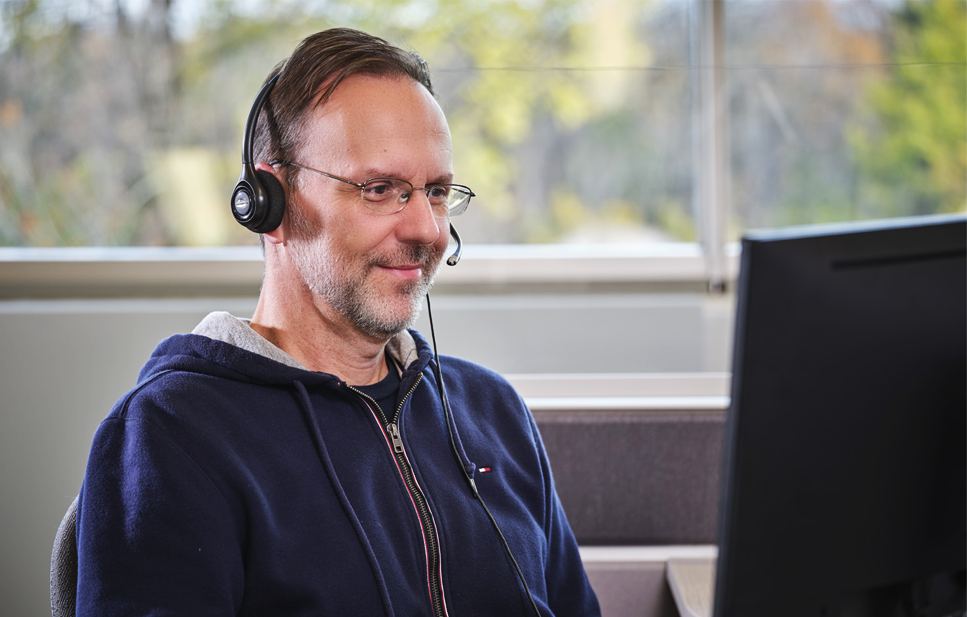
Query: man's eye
pixel 438 193
pixel 378 190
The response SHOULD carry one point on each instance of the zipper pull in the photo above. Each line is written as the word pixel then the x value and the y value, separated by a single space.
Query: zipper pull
pixel 394 435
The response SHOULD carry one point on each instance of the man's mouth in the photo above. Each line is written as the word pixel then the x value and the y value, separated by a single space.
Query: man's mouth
pixel 406 271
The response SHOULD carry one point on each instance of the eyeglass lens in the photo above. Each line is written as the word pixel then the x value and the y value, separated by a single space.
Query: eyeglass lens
pixel 391 194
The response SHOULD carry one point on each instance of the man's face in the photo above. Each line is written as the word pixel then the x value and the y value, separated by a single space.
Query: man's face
pixel 374 269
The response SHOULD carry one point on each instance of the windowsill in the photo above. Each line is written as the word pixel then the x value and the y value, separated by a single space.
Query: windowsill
pixel 96 272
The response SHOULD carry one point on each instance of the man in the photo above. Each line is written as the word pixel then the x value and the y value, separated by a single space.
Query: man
pixel 304 462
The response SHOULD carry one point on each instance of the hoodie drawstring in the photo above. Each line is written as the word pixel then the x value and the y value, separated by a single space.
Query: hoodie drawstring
pixel 312 426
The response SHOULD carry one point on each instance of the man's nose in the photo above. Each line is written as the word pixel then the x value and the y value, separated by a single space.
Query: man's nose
pixel 418 224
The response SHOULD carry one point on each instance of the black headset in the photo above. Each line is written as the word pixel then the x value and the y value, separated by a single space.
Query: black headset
pixel 258 201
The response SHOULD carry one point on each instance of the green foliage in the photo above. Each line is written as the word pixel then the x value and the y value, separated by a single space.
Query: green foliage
pixel 554 123
pixel 913 146
pixel 93 100
pixel 199 90
pixel 674 219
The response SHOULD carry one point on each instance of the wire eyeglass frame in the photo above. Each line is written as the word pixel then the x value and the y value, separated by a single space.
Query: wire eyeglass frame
pixel 387 195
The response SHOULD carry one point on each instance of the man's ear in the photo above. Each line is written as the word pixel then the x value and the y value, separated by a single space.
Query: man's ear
pixel 277 235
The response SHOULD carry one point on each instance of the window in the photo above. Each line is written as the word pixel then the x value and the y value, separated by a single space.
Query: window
pixel 576 121
pixel 845 110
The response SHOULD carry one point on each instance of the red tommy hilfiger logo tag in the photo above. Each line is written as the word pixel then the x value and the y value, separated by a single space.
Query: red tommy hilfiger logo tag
pixel 485 469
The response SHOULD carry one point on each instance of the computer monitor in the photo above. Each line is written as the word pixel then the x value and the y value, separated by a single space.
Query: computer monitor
pixel 846 443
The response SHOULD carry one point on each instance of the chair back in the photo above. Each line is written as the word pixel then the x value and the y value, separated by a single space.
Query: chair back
pixel 63 566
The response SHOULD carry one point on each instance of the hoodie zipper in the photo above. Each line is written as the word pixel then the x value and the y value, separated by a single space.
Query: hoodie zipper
pixel 430 540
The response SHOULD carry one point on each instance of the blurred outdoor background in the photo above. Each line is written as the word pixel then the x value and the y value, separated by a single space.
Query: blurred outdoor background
pixel 575 121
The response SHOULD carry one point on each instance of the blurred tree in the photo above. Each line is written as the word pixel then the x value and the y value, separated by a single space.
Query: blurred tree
pixel 98 105
pixel 101 103
pixel 911 143
pixel 796 72
pixel 82 99
pixel 121 122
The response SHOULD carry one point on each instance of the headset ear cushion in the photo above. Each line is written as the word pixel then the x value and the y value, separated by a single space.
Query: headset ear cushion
pixel 275 197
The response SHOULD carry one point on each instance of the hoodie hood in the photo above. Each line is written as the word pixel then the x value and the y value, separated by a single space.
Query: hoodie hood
pixel 226 346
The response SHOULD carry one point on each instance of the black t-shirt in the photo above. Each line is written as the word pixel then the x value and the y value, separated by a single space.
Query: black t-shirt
pixel 384 392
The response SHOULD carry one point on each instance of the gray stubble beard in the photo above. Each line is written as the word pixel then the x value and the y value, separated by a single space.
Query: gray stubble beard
pixel 332 278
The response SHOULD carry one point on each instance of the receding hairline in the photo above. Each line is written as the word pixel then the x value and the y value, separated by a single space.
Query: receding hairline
pixel 327 89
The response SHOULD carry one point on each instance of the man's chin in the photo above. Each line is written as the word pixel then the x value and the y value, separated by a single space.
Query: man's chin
pixel 387 318
pixel 383 328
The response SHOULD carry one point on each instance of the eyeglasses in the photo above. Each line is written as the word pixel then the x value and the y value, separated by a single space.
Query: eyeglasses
pixel 390 195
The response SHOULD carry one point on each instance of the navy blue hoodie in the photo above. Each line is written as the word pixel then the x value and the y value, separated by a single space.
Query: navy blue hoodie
pixel 227 483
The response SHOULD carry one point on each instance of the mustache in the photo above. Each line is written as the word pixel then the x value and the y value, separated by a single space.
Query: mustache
pixel 408 254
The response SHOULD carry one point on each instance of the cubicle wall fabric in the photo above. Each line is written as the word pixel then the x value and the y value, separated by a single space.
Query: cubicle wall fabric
pixel 637 477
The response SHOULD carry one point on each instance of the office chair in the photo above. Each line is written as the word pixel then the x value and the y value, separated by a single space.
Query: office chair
pixel 63 566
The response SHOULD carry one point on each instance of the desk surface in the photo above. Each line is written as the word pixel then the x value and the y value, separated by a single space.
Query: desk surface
pixel 692 582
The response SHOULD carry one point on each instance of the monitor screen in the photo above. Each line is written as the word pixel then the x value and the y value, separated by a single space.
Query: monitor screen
pixel 846 443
